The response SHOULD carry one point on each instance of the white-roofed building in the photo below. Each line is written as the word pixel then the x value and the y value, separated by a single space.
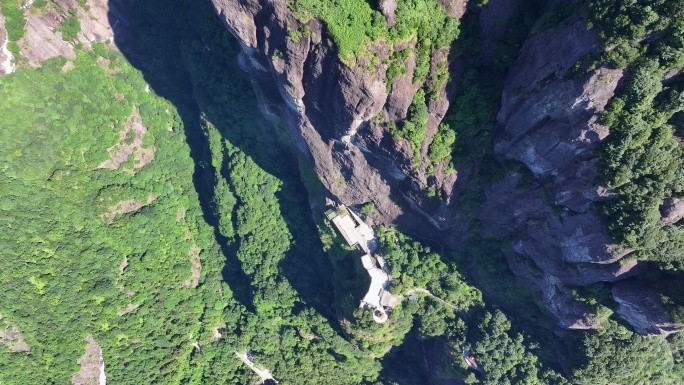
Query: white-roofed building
pixel 358 234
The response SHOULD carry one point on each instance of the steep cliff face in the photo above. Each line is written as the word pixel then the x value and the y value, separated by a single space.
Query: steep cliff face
pixel 640 307
pixel 548 122
pixel 42 37
pixel 338 116
pixel 330 110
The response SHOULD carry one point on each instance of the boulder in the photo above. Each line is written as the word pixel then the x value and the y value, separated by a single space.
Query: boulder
pixel 672 210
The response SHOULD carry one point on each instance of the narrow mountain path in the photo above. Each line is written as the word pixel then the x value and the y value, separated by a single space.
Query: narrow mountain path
pixel 425 291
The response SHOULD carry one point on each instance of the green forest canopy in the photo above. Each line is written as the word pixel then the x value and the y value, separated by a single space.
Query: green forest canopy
pixel 641 160
pixel 221 192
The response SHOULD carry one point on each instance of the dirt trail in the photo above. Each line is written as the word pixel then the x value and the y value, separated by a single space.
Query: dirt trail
pixel 425 291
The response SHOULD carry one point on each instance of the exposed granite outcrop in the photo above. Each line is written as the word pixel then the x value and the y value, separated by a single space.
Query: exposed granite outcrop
pixel 338 114
pixel 329 108
pixel 639 305
pixel 672 210
pixel 548 122
pixel 11 337
pixel 92 366
pixel 455 8
pixel 42 39
pixel 388 7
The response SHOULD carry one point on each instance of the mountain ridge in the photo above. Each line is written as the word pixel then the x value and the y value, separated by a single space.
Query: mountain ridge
pixel 341 114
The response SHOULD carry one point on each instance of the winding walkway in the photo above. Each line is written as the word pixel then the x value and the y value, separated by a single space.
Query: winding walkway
pixel 425 291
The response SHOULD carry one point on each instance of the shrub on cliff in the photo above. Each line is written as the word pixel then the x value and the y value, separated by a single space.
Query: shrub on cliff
pixel 641 159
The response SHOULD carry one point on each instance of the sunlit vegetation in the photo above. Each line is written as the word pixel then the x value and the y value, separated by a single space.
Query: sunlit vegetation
pixel 413 129
pixel 207 245
pixel 351 22
pixel 14 23
pixel 442 144
pixel 70 26
pixel 429 25
pixel 641 159
pixel 623 24
pixel 615 354
pixel 414 266
pixel 425 320
pixel 70 272
pixel 14 18
pixel 417 266
pixel 506 354
pixel 354 23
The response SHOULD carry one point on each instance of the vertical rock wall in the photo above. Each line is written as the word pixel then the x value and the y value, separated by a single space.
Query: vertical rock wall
pixel 329 109
pixel 548 122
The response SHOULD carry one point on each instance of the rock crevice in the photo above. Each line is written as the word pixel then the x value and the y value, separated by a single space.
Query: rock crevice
pixel 338 116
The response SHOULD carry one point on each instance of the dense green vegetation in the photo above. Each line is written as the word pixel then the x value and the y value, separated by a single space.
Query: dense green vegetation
pixel 413 129
pixel 506 354
pixel 623 25
pixel 220 252
pixel 417 266
pixel 442 144
pixel 354 24
pixel 641 160
pixel 74 271
pixel 14 23
pixel 14 18
pixel 618 355
pixel 423 24
pixel 351 22
pixel 430 317
pixel 70 272
pixel 488 333
pixel 71 26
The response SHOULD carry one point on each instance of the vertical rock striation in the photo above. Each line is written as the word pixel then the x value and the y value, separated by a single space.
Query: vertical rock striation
pixel 548 122
pixel 337 116
pixel 639 306
pixel 329 108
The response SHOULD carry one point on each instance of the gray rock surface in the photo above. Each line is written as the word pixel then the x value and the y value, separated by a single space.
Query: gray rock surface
pixel 42 39
pixel 640 306
pixel 455 8
pixel 548 122
pixel 387 7
pixel 329 108
pixel 338 116
pixel 672 210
